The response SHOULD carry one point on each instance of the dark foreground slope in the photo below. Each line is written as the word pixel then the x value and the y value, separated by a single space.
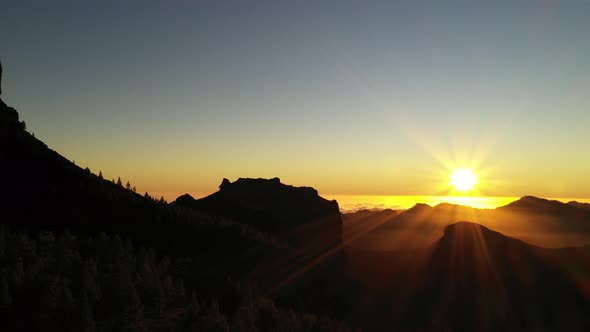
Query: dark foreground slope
pixel 78 252
pixel 45 191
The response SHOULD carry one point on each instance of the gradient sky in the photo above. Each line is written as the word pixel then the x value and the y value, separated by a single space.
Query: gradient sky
pixel 351 97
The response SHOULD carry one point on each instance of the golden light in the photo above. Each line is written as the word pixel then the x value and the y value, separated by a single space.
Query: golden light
pixel 463 179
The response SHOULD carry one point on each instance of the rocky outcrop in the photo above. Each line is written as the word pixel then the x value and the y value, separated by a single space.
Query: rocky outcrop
pixel 309 225
pixel 274 207
pixel 9 122
pixel 9 118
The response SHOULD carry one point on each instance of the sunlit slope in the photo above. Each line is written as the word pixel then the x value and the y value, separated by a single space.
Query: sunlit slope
pixel 535 220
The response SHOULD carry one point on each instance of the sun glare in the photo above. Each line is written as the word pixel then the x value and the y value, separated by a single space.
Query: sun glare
pixel 463 179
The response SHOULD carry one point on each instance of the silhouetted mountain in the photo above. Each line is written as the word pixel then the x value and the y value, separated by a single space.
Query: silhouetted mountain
pixel 473 279
pixel 357 224
pixel 585 206
pixel 267 204
pixel 535 205
pixel 536 220
pixel 298 216
pixel 479 279
pixel 413 228
pixel 45 191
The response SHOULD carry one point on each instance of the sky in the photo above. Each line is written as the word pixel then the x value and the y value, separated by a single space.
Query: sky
pixel 350 97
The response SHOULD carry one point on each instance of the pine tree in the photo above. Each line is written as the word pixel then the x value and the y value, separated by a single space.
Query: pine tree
pixel 65 306
pixel 119 183
pixel 89 281
pixel 128 186
pixel 121 297
pixel 84 320
pixel 193 307
pixel 5 294
pixel 3 236
pixel 215 321
pixel 100 175
pixel 48 301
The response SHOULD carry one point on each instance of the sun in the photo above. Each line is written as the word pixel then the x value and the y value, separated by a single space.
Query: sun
pixel 463 179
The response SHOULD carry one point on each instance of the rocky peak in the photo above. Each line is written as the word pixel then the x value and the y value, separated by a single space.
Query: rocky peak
pixel 267 204
pixel 9 121
pixel 185 199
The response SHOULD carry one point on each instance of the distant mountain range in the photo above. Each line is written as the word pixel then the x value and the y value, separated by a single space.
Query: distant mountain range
pixel 580 205
pixel 539 221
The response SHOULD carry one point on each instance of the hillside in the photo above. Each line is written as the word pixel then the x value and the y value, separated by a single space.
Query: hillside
pixel 481 279
pixel 474 279
pixel 190 252
pixel 538 221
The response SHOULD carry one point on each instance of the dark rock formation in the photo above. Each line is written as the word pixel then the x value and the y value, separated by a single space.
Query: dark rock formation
pixel 9 123
pixel 309 224
pixel 9 119
pixel 268 205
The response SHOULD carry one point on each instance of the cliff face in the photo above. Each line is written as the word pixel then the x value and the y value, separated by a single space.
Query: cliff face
pixel 267 204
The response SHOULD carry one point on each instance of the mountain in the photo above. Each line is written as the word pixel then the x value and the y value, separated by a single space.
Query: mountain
pixel 296 215
pixel 45 191
pixel 535 205
pixel 357 224
pixel 473 278
pixel 585 206
pixel 535 220
pixel 267 204
pixel 310 225
pixel 479 279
